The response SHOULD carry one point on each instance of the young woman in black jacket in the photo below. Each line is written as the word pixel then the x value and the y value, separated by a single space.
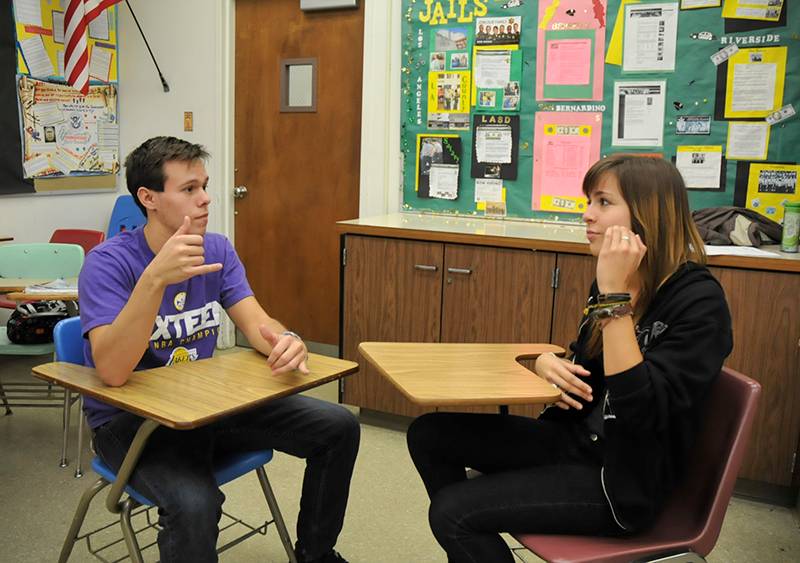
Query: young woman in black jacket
pixel 602 460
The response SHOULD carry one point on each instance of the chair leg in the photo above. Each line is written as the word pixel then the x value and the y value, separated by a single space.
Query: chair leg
pixel 128 533
pixel 65 437
pixel 77 520
pixel 280 525
pixel 81 429
pixel 5 400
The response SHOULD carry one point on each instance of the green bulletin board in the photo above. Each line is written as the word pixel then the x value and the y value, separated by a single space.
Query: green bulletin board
pixel 695 93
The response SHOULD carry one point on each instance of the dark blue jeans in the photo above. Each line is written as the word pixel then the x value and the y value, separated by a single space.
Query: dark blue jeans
pixel 538 477
pixel 175 471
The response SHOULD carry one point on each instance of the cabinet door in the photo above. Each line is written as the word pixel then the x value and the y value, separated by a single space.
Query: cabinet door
pixel 766 327
pixel 392 293
pixel 496 295
pixel 575 275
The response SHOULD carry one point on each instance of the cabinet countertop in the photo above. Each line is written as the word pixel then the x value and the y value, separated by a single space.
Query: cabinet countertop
pixel 566 237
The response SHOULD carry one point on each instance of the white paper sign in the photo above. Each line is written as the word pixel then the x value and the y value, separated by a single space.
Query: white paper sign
pixel 747 140
pixel 487 189
pixel 493 144
pixel 700 166
pixel 444 181
pixel 639 113
pixel 651 32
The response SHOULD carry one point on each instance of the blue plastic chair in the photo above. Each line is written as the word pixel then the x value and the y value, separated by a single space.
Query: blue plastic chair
pixel 126 216
pixel 69 348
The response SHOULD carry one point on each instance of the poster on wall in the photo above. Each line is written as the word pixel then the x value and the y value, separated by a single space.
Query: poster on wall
pixel 65 133
pixel 438 161
pixel 770 187
pixel 496 80
pixel 448 100
pixel 755 82
pixel 58 140
pixel 639 113
pixel 570 64
pixel 565 145
pixel 494 146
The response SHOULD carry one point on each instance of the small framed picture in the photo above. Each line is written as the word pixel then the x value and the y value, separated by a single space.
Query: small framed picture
pixel 693 125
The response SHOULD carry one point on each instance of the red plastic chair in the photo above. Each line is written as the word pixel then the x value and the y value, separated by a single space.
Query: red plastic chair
pixel 88 239
pixel 691 521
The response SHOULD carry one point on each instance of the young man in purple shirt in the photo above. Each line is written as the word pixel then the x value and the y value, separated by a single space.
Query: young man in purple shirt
pixel 154 297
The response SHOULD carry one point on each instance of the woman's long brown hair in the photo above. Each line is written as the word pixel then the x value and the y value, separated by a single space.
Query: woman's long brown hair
pixel 656 195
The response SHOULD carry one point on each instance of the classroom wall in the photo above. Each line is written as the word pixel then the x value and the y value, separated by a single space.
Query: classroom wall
pixel 188 38
pixel 196 56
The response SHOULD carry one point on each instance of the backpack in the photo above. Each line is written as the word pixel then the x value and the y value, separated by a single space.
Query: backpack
pixel 32 323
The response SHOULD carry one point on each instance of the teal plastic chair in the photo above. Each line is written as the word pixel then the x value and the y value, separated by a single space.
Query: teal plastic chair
pixel 46 261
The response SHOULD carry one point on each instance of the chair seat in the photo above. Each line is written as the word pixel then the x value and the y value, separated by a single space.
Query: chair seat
pixel 8 347
pixel 585 549
pixel 227 469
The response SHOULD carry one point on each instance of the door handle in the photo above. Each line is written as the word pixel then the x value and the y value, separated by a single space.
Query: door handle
pixel 425 267
pixel 465 271
pixel 239 192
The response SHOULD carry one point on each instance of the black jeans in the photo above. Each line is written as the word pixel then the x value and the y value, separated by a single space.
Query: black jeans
pixel 537 477
pixel 175 471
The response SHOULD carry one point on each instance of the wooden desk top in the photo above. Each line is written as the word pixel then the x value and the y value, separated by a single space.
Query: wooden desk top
pixel 9 285
pixel 22 296
pixel 439 374
pixel 191 394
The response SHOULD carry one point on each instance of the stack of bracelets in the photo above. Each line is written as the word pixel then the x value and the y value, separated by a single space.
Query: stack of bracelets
pixel 610 305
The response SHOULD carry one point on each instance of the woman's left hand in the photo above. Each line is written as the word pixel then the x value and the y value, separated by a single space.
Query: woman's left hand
pixel 619 259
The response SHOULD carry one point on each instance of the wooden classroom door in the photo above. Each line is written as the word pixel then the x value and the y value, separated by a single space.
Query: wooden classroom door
pixel 301 170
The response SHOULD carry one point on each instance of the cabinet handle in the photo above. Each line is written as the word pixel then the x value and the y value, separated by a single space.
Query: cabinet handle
pixel 465 271
pixel 425 267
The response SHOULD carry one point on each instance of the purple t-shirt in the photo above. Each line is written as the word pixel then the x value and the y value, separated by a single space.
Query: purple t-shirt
pixel 188 319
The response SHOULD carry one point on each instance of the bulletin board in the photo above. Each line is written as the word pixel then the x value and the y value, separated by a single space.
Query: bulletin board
pixel 65 141
pixel 505 103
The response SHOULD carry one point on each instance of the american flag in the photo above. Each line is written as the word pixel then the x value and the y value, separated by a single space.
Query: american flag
pixel 76 57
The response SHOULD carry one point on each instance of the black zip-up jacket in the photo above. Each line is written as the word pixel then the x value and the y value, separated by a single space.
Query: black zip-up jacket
pixel 648 415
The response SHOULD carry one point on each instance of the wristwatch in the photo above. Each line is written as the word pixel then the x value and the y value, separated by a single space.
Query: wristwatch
pixel 292 334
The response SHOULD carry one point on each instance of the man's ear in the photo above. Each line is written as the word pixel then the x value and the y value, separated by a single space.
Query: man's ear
pixel 146 197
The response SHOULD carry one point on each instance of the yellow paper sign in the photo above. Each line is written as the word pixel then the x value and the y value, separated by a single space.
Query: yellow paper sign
pixel 752 10
pixel 755 82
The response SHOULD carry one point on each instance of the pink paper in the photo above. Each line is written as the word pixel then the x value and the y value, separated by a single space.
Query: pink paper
pixel 565 145
pixel 569 61
pixel 586 14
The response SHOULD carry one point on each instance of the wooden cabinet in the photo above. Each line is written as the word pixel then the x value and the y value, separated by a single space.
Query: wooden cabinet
pixel 765 308
pixel 399 290
pixel 392 292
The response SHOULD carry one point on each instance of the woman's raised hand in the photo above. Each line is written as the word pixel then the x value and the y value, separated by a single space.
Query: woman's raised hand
pixel 619 259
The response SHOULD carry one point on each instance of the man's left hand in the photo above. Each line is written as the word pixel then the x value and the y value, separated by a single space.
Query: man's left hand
pixel 288 353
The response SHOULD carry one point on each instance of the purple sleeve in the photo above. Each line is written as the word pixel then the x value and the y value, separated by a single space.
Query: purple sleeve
pixel 234 280
pixel 104 286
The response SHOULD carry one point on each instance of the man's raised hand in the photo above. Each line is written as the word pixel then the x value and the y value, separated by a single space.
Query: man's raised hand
pixel 182 257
